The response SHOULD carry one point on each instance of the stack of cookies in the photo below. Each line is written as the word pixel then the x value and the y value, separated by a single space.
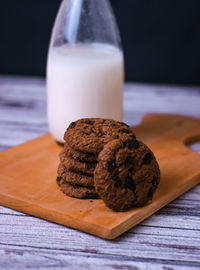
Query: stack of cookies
pixel 84 139
pixel 103 159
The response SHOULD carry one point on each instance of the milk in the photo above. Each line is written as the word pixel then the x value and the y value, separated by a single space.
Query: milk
pixel 83 81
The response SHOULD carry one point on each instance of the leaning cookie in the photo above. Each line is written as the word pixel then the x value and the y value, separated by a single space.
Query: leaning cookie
pixel 76 191
pixel 127 174
pixel 75 178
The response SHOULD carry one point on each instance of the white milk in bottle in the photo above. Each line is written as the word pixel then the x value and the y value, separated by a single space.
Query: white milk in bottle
pixel 84 80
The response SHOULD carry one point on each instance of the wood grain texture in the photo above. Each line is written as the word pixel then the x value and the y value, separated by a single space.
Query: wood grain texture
pixel 27 242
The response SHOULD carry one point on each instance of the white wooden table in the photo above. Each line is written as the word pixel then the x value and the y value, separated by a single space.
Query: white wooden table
pixel 170 239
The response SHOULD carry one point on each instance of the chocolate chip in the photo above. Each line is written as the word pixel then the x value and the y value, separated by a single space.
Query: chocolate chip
pixel 116 137
pixel 147 159
pixel 72 125
pixel 85 127
pixel 111 164
pixel 128 161
pixel 130 183
pixel 89 122
pixel 131 144
pixel 115 175
pixel 150 193
pixel 101 135
pixel 124 130
pixel 118 183
pixel 133 136
pixel 130 169
pixel 58 179
pixel 112 125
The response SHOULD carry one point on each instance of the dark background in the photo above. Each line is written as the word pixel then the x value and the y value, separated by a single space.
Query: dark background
pixel 161 38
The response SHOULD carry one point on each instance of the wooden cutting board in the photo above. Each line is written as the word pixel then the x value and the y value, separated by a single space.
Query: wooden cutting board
pixel 28 173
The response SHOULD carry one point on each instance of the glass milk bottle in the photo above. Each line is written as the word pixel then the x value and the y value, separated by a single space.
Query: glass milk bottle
pixel 85 70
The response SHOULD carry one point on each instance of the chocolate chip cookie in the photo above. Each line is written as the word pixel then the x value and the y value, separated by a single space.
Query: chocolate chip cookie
pixel 75 165
pixel 75 178
pixel 91 134
pixel 127 174
pixel 76 191
pixel 80 156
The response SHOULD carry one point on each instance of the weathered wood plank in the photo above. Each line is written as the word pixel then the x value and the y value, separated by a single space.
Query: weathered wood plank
pixel 43 259
pixel 22 110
